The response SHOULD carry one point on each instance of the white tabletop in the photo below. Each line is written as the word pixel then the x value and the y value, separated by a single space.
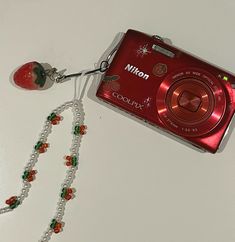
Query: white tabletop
pixel 133 184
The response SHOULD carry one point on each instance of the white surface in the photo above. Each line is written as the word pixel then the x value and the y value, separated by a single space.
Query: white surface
pixel 133 184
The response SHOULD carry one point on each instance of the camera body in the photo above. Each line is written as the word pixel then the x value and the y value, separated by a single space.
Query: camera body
pixel 171 89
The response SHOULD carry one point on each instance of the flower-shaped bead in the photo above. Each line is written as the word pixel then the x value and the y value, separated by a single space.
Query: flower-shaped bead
pixel 56 226
pixel 41 147
pixel 80 129
pixel 13 202
pixel 71 160
pixel 54 118
pixel 29 175
pixel 67 193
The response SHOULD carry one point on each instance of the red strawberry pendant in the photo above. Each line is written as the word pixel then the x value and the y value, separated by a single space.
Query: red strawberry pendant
pixel 31 76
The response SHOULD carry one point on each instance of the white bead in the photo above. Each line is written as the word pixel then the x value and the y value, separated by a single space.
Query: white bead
pixel 22 197
pixel 74 168
pixel 70 172
pixel 4 210
pixel 28 185
pixel 29 165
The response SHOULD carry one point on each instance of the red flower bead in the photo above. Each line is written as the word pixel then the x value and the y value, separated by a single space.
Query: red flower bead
pixel 30 178
pixel 68 163
pixel 41 150
pixel 83 129
pixel 68 197
pixel 54 122
pixel 58 228
pixel 70 190
pixel 11 200
pixel 68 157
pixel 45 145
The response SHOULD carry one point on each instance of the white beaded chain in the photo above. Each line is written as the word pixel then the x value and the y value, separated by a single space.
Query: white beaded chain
pixel 72 162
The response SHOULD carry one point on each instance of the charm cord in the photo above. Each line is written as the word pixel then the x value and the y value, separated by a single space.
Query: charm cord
pixel 104 65
pixel 71 161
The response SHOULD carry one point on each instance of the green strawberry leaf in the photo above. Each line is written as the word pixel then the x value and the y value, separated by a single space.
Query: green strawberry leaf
pixel 40 75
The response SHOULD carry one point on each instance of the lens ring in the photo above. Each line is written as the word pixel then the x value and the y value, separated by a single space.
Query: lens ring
pixel 190 102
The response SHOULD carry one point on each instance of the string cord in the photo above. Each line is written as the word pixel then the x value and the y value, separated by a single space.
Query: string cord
pixel 78 91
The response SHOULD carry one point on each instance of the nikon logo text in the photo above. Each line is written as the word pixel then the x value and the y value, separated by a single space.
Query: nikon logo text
pixel 134 70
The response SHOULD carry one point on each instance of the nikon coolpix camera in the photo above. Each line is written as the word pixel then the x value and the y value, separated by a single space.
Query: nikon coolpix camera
pixel 171 89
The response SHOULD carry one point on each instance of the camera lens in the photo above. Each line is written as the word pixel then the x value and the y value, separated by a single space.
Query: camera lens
pixel 191 102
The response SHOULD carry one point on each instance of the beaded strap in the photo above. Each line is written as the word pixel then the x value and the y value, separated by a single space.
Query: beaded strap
pixel 71 161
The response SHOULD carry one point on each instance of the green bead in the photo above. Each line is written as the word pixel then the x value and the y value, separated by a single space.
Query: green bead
pixel 63 193
pixel 53 224
pixel 76 129
pixel 51 116
pixel 25 175
pixel 74 161
pixel 38 145
pixel 15 204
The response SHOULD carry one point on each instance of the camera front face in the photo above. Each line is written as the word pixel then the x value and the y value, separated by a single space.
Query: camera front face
pixel 171 89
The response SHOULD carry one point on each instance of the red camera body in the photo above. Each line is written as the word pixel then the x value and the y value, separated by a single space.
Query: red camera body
pixel 171 89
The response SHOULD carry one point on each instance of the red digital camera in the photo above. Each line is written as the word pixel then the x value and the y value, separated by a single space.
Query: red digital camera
pixel 171 89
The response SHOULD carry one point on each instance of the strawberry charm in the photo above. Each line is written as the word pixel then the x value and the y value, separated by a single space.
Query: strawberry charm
pixel 31 76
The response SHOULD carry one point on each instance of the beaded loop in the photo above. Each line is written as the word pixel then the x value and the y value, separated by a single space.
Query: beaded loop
pixel 67 193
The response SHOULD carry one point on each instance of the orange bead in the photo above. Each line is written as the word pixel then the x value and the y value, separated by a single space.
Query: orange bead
pixel 45 145
pixel 68 158
pixel 57 118
pixel 58 226
pixel 68 197
pixel 54 122
pixel 8 202
pixel 70 190
pixel 41 150
pixel 56 230
pixel 11 200
pixel 33 172
pixel 83 129
pixel 30 178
